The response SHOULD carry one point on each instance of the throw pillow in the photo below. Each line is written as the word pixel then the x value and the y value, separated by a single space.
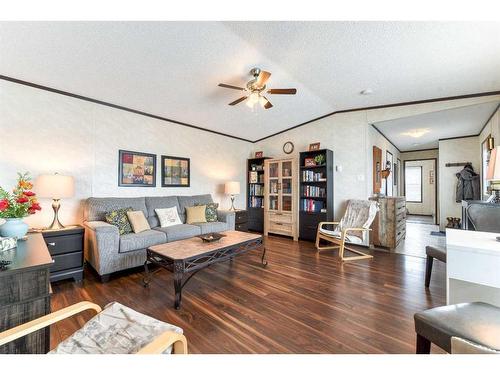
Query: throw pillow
pixel 196 214
pixel 119 219
pixel 210 211
pixel 168 216
pixel 138 221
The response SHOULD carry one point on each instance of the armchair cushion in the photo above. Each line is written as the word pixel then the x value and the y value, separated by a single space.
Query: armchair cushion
pixel 116 330
pixel 337 234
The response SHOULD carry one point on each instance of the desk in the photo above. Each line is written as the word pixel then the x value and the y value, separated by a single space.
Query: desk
pixel 25 293
pixel 472 267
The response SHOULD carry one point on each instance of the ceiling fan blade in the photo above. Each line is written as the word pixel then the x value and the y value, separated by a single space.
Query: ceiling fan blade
pixel 262 78
pixel 268 103
pixel 238 100
pixel 282 91
pixel 231 87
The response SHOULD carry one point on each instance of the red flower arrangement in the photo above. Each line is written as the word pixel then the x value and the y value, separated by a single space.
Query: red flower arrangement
pixel 21 202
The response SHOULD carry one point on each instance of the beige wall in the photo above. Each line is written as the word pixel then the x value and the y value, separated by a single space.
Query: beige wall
pixel 454 151
pixel 428 204
pixel 43 132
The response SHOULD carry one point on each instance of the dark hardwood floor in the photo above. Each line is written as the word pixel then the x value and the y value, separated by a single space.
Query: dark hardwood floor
pixel 303 302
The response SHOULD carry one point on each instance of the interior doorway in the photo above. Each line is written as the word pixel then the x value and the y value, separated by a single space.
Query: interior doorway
pixel 420 190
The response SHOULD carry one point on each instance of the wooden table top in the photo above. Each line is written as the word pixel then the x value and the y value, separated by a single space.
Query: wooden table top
pixel 194 246
pixel 29 253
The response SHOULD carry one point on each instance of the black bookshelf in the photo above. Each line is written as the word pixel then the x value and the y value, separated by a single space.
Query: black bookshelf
pixel 255 194
pixel 315 192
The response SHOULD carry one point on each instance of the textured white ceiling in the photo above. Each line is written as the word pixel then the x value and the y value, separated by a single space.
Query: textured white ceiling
pixel 457 122
pixel 172 69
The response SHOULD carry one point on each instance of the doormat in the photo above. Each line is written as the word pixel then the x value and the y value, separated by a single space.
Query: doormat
pixel 442 234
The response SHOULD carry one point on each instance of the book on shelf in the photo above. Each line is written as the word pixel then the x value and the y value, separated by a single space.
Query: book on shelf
pixel 313 191
pixel 256 189
pixel 311 205
pixel 255 202
pixel 311 176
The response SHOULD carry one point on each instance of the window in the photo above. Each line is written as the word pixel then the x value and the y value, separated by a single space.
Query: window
pixel 413 184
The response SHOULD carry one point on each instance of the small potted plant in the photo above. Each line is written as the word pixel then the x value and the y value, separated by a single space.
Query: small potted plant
pixel 15 206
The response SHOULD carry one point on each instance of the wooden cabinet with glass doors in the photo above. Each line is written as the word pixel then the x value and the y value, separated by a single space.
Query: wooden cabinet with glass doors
pixel 281 197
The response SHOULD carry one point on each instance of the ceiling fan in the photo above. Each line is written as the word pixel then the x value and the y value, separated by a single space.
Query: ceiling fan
pixel 256 88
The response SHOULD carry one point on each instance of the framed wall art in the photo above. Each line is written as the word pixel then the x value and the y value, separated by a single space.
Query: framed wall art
pixel 136 169
pixel 175 172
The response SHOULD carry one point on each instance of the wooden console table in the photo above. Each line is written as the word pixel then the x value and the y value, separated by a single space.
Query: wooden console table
pixel 25 293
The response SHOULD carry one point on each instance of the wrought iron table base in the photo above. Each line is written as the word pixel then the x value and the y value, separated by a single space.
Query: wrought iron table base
pixel 180 267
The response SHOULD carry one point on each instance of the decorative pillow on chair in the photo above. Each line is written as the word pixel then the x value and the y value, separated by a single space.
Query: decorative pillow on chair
pixel 138 221
pixel 196 214
pixel 119 219
pixel 210 212
pixel 168 216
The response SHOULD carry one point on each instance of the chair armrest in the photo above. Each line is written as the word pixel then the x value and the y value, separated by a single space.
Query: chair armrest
pixel 162 342
pixel 47 320
pixel 228 217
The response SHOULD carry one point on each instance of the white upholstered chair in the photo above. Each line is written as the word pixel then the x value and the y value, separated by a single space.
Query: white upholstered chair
pixel 353 228
pixel 115 330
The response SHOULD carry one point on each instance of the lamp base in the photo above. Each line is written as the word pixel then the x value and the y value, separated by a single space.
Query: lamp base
pixel 56 224
pixel 232 204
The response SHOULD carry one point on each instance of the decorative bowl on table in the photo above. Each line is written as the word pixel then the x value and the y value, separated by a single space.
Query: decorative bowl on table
pixel 211 237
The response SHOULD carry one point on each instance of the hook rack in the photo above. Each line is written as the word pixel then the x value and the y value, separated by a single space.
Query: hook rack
pixel 458 164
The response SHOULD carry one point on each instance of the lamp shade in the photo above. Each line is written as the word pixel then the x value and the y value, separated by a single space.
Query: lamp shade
pixel 232 187
pixel 494 165
pixel 54 186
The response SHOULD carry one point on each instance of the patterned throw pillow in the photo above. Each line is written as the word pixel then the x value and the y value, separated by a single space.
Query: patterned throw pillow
pixel 119 219
pixel 210 211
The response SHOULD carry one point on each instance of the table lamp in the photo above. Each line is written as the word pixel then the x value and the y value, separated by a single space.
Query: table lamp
pixel 55 186
pixel 232 188
pixel 493 174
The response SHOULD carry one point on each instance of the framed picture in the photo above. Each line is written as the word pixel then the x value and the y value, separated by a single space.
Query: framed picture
pixel 314 146
pixel 136 169
pixel 309 162
pixel 389 160
pixel 175 172
pixel 259 154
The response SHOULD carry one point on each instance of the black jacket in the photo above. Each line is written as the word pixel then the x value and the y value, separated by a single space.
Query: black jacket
pixel 469 185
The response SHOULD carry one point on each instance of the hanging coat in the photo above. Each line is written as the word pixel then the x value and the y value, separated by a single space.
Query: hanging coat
pixel 469 185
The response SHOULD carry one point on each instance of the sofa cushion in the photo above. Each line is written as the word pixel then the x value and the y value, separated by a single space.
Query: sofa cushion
pixel 153 203
pixel 138 221
pixel 217 226
pixel 180 232
pixel 189 201
pixel 211 212
pixel 116 330
pixel 96 208
pixel 168 216
pixel 119 219
pixel 137 241
pixel 196 214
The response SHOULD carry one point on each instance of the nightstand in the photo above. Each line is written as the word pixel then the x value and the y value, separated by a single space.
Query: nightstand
pixel 241 220
pixel 66 248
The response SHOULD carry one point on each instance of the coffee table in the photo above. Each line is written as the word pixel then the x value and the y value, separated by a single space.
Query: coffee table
pixel 192 255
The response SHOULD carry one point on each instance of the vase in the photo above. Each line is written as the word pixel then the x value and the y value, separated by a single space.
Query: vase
pixel 14 227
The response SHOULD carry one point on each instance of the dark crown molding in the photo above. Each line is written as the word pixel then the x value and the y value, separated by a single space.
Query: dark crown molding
pixel 142 113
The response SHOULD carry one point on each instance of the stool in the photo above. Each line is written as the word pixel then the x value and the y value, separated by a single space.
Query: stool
pixel 477 322
pixel 433 252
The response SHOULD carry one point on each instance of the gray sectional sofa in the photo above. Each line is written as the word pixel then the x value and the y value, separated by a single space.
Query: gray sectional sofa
pixel 109 252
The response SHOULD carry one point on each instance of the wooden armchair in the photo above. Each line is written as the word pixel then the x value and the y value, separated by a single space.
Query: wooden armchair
pixel 353 228
pixel 147 335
